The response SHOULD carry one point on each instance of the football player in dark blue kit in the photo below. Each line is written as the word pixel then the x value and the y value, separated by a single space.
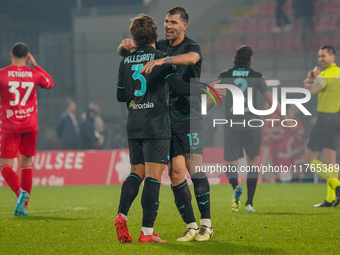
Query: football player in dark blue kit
pixel 186 146
pixel 241 137
pixel 148 125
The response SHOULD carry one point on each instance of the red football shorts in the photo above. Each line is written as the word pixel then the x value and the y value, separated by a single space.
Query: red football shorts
pixel 12 144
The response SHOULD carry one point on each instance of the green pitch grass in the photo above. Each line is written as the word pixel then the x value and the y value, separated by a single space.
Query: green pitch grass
pixel 79 220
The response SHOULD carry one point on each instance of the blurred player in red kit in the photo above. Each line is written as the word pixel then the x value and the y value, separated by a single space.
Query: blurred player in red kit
pixel 19 120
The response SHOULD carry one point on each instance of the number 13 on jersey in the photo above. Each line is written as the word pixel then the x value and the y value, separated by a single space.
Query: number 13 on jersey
pixel 193 139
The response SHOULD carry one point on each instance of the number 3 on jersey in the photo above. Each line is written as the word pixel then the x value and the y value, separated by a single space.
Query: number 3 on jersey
pixel 138 76
pixel 14 85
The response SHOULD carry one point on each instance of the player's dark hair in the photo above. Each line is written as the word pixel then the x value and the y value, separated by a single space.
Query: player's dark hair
pixel 330 49
pixel 243 56
pixel 182 13
pixel 143 30
pixel 19 50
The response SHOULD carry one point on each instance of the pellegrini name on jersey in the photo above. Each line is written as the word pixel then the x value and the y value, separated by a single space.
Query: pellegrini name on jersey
pixel 139 58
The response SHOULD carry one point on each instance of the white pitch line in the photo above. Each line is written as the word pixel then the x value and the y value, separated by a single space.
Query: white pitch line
pixel 58 210
pixel 55 210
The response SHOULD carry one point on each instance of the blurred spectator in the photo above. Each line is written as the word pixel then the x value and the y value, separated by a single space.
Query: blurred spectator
pixel 304 11
pixel 282 21
pixel 99 125
pixel 88 139
pixel 68 127
pixel 118 135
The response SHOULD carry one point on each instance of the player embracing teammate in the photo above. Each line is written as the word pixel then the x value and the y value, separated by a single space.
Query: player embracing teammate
pixel 148 125
pixel 186 146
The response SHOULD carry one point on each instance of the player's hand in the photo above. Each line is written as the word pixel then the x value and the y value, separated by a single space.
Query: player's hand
pixel 212 84
pixel 128 44
pixel 31 59
pixel 149 66
pixel 316 71
pixel 220 91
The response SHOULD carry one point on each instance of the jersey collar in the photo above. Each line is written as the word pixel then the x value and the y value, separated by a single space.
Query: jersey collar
pixel 331 65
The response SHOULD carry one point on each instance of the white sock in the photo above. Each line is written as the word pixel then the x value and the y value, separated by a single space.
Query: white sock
pixel 192 225
pixel 124 216
pixel 206 222
pixel 147 231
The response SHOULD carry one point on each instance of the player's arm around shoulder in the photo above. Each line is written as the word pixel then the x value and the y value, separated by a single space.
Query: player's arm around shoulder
pixel 187 59
pixel 126 47
pixel 45 80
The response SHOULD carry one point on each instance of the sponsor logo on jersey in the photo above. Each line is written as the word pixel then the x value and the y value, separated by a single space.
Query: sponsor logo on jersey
pixel 20 113
pixel 9 113
pixel 24 111
pixel 135 106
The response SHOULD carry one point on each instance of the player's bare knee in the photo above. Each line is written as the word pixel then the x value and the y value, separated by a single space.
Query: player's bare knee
pixel 6 161
pixel 176 177
pixel 25 161
pixel 193 162
pixel 154 170
pixel 139 170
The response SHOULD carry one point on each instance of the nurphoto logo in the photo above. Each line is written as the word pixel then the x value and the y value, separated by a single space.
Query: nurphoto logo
pixel 240 107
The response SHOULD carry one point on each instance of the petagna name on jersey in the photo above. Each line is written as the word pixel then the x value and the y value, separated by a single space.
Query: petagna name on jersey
pixel 19 74
pixel 139 58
